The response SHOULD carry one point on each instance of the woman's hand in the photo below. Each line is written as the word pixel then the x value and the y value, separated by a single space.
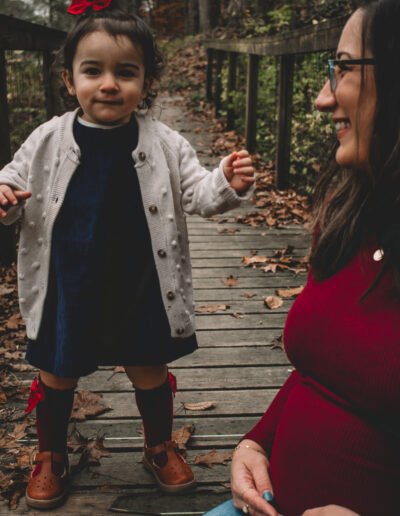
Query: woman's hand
pixel 250 479
pixel 239 171
pixel 329 510
pixel 10 197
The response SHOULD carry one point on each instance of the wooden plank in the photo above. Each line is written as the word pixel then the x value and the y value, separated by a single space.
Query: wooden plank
pixel 237 338
pixel 232 297
pixel 228 322
pixel 223 230
pixel 268 281
pixel 201 255
pixel 315 38
pixel 136 499
pixel 251 102
pixel 216 378
pixel 208 432
pixel 286 73
pixel 240 271
pixel 16 34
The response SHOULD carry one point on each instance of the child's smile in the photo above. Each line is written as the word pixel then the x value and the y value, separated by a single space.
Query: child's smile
pixel 107 78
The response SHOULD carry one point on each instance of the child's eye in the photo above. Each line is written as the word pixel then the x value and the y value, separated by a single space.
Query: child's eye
pixel 91 71
pixel 127 73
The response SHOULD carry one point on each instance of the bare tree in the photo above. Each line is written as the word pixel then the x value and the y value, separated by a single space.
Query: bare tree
pixel 191 16
pixel 209 11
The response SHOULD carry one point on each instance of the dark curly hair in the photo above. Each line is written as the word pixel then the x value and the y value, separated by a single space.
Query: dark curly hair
pixel 117 22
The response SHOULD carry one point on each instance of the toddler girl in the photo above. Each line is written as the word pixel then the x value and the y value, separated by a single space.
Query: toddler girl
pixel 104 270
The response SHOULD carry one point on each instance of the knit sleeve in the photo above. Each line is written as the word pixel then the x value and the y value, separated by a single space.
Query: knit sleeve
pixel 264 431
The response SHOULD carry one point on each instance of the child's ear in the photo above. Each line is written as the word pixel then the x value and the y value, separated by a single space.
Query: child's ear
pixel 68 81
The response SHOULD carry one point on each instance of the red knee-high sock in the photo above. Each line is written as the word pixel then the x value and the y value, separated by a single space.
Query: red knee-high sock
pixel 52 416
pixel 156 408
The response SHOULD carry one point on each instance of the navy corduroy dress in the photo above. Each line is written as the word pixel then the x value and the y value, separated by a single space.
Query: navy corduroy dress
pixel 104 304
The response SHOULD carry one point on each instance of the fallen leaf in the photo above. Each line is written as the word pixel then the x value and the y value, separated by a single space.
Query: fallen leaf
pixel 277 343
pixel 201 405
pixel 250 260
pixel 87 404
pixel 271 267
pixel 5 290
pixel 248 295
pixel 238 315
pixel 273 302
pixel 289 292
pixel 182 435
pixel 213 457
pixel 231 281
pixel 210 309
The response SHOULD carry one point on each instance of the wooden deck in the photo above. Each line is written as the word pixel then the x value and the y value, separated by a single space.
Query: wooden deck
pixel 237 366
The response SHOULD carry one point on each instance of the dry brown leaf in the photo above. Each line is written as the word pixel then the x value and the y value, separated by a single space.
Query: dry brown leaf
pixel 213 457
pixel 182 435
pixel 210 309
pixel 87 404
pixel 230 281
pixel 289 292
pixel 273 302
pixel 271 267
pixel 250 260
pixel 5 290
pixel 238 315
pixel 249 295
pixel 19 431
pixel 22 368
pixel 201 405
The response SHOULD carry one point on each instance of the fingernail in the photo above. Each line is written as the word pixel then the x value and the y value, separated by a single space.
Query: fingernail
pixel 268 496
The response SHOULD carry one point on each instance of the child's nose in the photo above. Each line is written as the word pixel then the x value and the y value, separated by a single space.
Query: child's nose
pixel 109 83
pixel 326 99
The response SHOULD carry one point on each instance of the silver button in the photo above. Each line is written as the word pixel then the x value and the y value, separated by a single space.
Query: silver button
pixel 36 265
pixel 142 156
pixel 170 295
pixel 46 168
pixel 153 209
pixel 31 224
pixel 21 277
pixel 161 253
pixel 39 197
pixel 180 331
pixel 40 241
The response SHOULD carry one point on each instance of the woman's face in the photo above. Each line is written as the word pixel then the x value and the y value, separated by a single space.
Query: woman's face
pixel 353 111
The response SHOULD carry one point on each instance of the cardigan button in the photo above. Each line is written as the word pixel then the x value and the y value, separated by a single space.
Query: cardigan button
pixel 170 295
pixel 180 331
pixel 161 253
pixel 142 156
pixel 153 209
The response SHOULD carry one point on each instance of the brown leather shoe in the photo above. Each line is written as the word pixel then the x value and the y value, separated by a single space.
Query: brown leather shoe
pixel 175 476
pixel 48 484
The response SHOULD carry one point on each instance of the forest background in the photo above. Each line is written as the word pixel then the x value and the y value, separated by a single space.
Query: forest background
pixel 182 24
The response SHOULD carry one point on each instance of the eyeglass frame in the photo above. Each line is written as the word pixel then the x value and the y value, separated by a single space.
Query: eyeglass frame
pixel 341 63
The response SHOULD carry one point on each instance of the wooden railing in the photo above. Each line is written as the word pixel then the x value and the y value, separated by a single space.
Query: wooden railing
pixel 318 38
pixel 18 34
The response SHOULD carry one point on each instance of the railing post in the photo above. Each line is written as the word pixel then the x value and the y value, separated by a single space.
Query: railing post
pixel 286 70
pixel 51 86
pixel 218 82
pixel 209 77
pixel 251 102
pixel 7 233
pixel 232 73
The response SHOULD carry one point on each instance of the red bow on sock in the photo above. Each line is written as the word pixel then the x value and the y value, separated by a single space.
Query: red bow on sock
pixel 172 382
pixel 35 396
pixel 80 6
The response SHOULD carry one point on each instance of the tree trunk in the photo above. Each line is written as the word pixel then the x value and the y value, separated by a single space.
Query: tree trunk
pixel 191 16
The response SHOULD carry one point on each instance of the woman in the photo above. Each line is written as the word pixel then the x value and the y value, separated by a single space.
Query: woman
pixel 329 444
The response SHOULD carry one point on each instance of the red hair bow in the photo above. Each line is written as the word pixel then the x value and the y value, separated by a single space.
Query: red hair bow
pixel 80 6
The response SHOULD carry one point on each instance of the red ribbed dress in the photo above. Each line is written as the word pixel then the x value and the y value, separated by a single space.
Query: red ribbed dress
pixel 333 431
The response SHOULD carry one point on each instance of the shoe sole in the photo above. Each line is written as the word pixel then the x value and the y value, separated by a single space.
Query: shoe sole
pixel 166 488
pixel 46 504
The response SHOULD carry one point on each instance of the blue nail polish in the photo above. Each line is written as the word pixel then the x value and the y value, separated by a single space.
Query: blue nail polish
pixel 268 496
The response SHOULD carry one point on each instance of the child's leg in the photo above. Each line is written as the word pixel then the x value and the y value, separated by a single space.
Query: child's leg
pixel 48 484
pixel 155 403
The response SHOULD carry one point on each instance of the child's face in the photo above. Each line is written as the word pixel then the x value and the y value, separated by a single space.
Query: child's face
pixel 107 78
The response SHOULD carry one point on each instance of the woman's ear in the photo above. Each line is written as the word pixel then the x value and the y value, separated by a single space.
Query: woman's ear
pixel 68 81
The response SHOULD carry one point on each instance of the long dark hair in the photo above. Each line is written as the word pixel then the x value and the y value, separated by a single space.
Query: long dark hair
pixel 351 205
pixel 117 22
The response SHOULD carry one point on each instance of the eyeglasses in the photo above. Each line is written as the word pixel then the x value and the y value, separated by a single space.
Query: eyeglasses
pixel 344 64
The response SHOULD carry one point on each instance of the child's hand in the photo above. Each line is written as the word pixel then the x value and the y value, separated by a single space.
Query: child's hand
pixel 239 171
pixel 10 197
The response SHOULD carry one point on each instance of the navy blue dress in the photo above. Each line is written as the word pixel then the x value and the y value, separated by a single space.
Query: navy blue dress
pixel 104 304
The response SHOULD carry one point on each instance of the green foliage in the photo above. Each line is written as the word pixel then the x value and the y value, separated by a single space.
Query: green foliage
pixel 312 133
